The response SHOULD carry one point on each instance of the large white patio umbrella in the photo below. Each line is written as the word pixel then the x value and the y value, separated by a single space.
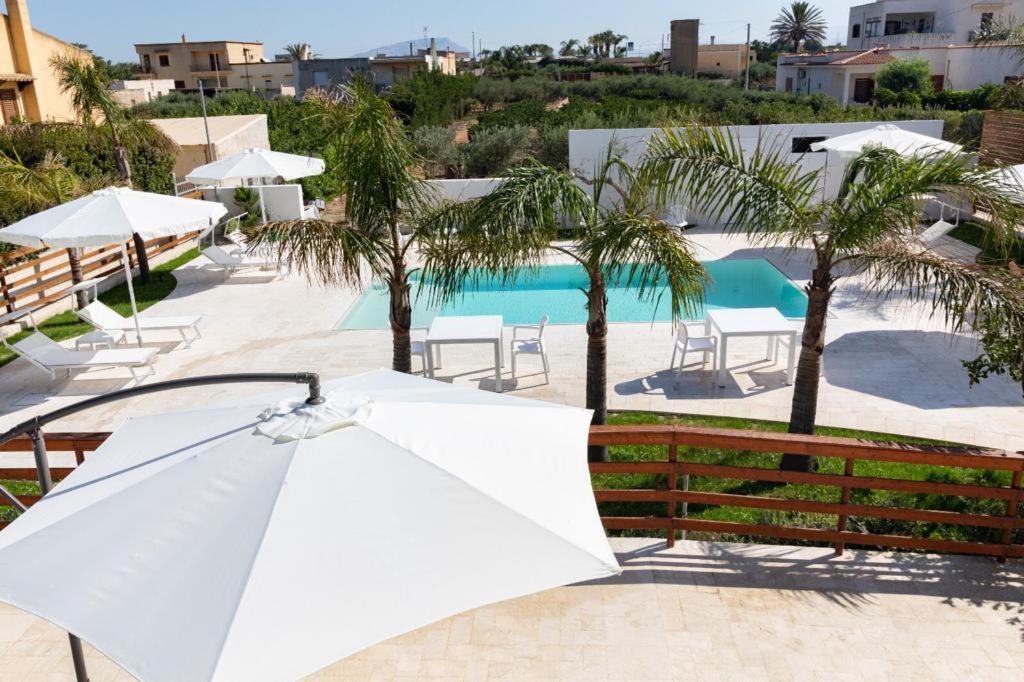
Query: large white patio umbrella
pixel 110 216
pixel 889 136
pixel 256 164
pixel 265 540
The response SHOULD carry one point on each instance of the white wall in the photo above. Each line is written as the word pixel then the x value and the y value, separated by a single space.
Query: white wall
pixel 588 148
pixel 464 190
pixel 283 202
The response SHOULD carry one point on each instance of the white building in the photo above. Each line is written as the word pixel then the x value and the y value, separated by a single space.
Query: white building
pixel 939 31
pixel 130 93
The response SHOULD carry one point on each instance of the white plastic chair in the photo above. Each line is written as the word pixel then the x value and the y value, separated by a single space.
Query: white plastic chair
pixel 534 345
pixel 686 344
pixel 418 347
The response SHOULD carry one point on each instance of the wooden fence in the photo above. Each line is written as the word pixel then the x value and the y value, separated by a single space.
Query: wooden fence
pixel 32 279
pixel 675 468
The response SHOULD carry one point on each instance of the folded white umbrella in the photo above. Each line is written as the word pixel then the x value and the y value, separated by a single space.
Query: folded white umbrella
pixel 889 136
pixel 1012 178
pixel 255 163
pixel 264 542
pixel 112 216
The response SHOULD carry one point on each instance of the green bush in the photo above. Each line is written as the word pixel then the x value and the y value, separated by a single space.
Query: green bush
pixel 432 98
pixel 494 150
pixel 436 145
pixel 903 82
pixel 553 147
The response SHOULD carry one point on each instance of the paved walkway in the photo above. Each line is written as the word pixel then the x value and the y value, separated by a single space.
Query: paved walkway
pixel 887 367
pixel 707 611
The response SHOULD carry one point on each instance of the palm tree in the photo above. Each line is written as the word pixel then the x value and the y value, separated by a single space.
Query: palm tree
pixel 297 51
pixel 617 240
pixel 96 106
pixel 869 227
pixel 798 23
pixel 385 195
pixel 569 48
pixel 30 189
pixel 605 43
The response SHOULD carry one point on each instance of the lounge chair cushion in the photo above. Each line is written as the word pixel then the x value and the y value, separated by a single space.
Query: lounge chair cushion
pixel 102 316
pixel 51 354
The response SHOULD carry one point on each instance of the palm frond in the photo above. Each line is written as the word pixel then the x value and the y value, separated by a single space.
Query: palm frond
pixel 959 292
pixel 644 253
pixel 326 253
pixel 761 193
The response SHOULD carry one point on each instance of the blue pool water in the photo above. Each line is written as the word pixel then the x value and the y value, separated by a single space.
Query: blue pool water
pixel 555 290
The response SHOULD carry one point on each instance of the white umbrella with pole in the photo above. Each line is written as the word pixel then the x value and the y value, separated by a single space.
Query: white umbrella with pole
pixel 257 164
pixel 266 539
pixel 112 216
pixel 889 136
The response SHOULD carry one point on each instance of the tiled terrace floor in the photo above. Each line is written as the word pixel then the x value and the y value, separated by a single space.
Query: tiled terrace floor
pixel 707 611
pixel 887 366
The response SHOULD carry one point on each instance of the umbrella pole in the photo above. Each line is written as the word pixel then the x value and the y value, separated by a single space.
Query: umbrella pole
pixel 131 292
pixel 45 485
pixel 263 205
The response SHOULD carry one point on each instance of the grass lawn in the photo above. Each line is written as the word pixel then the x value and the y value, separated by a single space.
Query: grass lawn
pixel 66 325
pixel 805 492
pixel 974 234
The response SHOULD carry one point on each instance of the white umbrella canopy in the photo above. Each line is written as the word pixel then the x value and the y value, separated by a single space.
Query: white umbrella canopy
pixel 889 136
pixel 226 543
pixel 257 163
pixel 112 216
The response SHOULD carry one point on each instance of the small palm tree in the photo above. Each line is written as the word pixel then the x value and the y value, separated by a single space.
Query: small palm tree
pixel 798 23
pixel 387 203
pixel 30 189
pixel 96 106
pixel 297 51
pixel 569 48
pixel 617 239
pixel 869 227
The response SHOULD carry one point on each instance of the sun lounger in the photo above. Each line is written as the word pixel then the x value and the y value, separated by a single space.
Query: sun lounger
pixel 101 316
pixel 51 357
pixel 230 264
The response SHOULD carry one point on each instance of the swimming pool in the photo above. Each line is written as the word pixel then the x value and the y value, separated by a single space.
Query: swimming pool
pixel 555 290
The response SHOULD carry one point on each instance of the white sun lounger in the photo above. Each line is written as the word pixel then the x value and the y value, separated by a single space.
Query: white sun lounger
pixel 101 316
pixel 51 357
pixel 230 264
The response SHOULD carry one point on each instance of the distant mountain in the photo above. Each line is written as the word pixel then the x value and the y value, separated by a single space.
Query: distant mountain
pixel 402 49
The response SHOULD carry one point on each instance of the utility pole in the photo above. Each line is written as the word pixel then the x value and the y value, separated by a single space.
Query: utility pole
pixel 248 80
pixel 474 46
pixel 746 84
pixel 206 123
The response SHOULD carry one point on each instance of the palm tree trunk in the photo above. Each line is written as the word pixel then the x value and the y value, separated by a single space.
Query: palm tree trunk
pixel 124 171
pixel 808 371
pixel 597 359
pixel 75 265
pixel 401 318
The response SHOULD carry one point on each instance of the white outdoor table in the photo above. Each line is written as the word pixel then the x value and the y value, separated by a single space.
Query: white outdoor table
pixel 100 337
pixel 768 322
pixel 472 329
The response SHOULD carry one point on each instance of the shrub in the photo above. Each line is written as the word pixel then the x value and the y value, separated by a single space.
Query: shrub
pixel 493 150
pixel 903 82
pixel 436 145
pixel 432 98
pixel 553 147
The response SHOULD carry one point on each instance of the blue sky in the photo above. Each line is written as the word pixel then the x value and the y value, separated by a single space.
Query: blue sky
pixel 339 28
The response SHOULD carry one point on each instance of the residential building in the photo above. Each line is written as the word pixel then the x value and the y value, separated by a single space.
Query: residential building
pixel 227 135
pixel 724 59
pixel 219 64
pixel 130 93
pixel 383 70
pixel 28 86
pixel 938 31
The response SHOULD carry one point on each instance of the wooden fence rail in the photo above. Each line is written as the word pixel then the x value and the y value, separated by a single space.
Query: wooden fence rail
pixel 674 467
pixel 33 279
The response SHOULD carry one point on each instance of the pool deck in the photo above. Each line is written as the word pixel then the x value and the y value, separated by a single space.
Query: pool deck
pixel 888 367
pixel 699 611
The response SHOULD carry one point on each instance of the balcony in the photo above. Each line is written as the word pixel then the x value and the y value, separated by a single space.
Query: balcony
pixel 914 40
pixel 205 67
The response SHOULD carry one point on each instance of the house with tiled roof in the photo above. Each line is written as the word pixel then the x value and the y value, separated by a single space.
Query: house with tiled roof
pixel 939 31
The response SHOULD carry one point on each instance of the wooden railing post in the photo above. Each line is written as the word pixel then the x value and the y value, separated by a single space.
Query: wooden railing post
pixel 5 291
pixel 1011 513
pixel 844 499
pixel 673 478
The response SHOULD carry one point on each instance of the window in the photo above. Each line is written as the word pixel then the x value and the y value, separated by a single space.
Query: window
pixel 872 27
pixel 855 32
pixel 938 83
pixel 179 85
pixel 789 84
pixel 802 145
pixel 986 20
pixel 164 60
pixel 147 65
pixel 8 105
pixel 214 61
pixel 321 78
